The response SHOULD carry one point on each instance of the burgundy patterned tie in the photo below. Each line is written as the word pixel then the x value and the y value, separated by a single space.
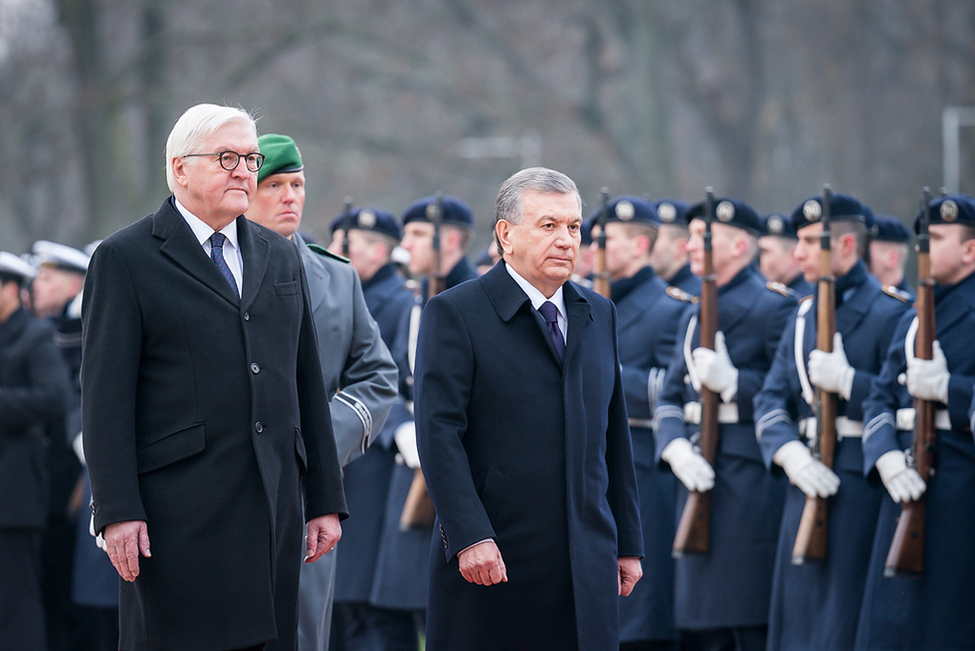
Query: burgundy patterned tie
pixel 216 253
pixel 551 314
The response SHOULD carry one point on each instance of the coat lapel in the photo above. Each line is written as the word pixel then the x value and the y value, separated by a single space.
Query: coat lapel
pixel 254 250
pixel 179 245
pixel 315 272
pixel 578 312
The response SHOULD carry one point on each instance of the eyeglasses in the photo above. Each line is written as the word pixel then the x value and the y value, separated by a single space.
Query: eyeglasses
pixel 229 160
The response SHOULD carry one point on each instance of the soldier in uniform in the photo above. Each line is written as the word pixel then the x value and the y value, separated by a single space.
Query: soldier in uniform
pixel 360 376
pixel 648 313
pixel 669 255
pixel 368 613
pixel 930 611
pixel 56 295
pixel 814 604
pixel 775 259
pixel 889 250
pixel 722 597
pixel 33 392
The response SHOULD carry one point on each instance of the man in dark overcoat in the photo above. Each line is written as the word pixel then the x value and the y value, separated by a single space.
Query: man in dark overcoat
pixel 203 409
pixel 523 438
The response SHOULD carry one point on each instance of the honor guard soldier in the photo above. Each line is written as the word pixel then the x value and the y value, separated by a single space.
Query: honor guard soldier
pixel 889 248
pixel 775 259
pixel 929 611
pixel 56 294
pixel 33 393
pixel 377 589
pixel 360 376
pixel 722 595
pixel 813 603
pixel 648 313
pixel 669 255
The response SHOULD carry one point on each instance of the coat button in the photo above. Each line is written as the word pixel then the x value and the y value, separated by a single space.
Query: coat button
pixel 247 316
pixel 255 369
pixel 258 427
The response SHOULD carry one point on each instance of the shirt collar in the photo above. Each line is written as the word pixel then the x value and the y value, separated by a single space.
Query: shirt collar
pixel 202 230
pixel 534 295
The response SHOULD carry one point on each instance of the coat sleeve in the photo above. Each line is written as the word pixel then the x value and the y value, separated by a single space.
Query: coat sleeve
pixel 623 494
pixel 111 346
pixel 324 493
pixel 445 367
pixel 368 383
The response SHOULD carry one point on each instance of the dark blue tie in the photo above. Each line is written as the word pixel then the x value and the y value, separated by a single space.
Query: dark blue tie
pixel 216 253
pixel 551 314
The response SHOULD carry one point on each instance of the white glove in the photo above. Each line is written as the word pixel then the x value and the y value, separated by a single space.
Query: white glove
pixel 79 448
pixel 904 484
pixel 714 368
pixel 831 371
pixel 927 379
pixel 405 438
pixel 99 539
pixel 809 475
pixel 688 465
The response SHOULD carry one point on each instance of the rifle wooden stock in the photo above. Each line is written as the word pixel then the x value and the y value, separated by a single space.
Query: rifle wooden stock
pixel 812 535
pixel 906 554
pixel 600 276
pixel 694 529
pixel 418 510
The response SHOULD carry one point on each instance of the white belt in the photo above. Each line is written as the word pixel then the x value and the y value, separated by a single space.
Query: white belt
pixel 905 419
pixel 845 428
pixel 646 423
pixel 727 412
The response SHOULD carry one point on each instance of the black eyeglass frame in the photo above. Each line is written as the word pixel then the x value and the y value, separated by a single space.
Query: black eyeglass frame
pixel 257 157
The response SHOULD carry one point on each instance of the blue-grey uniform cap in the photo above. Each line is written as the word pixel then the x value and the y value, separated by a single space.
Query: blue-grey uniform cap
pixel 842 207
pixel 455 212
pixel 889 229
pixel 369 219
pixel 952 209
pixel 732 212
pixel 627 210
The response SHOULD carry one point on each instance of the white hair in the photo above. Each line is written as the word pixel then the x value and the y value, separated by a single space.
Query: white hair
pixel 196 125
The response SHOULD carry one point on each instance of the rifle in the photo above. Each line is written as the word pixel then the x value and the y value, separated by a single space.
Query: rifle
pixel 418 510
pixel 906 555
pixel 346 225
pixel 435 280
pixel 600 281
pixel 811 537
pixel 694 530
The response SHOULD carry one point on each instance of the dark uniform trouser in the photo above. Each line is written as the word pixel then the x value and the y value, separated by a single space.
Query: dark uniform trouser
pixel 21 604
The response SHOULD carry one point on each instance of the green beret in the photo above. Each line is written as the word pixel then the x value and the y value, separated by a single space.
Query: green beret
pixel 280 155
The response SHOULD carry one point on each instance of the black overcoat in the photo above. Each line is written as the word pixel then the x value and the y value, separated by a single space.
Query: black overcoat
pixel 201 411
pixel 532 452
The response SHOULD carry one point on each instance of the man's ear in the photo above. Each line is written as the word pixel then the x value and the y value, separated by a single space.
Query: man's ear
pixel 179 164
pixel 502 229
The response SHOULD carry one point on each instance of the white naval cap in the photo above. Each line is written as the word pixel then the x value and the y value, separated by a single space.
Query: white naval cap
pixel 14 265
pixel 52 254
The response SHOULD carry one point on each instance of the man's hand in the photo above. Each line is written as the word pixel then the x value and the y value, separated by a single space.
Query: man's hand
pixel 482 564
pixel 692 469
pixel 123 543
pixel 832 371
pixel 809 475
pixel 321 535
pixel 902 482
pixel 630 571
pixel 714 368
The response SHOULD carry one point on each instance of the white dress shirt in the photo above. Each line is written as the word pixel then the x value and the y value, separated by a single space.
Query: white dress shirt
pixel 537 298
pixel 231 249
